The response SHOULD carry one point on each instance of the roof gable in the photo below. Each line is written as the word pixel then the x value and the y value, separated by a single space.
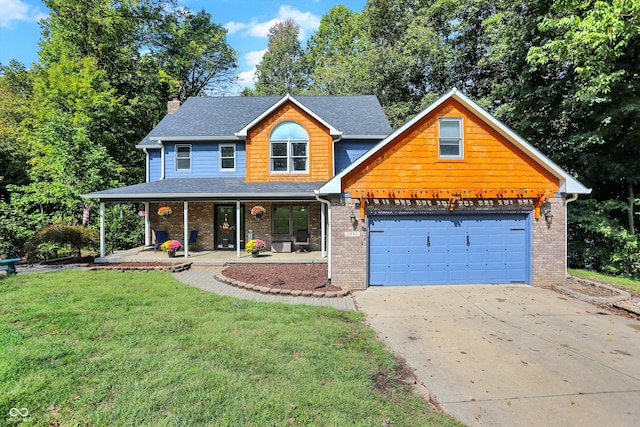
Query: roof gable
pixel 242 133
pixel 224 118
pixel 565 183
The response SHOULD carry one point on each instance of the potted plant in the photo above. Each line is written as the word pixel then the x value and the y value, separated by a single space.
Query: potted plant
pixel 170 247
pixel 164 212
pixel 255 246
pixel 258 211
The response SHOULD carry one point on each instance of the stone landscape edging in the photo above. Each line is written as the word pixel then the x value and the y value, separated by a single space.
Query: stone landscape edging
pixel 276 291
pixel 172 268
pixel 622 295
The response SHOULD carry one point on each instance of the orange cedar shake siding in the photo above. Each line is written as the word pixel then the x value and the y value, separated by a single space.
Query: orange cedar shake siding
pixel 411 162
pixel 320 148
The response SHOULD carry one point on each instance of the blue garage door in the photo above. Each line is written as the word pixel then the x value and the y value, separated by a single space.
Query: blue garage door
pixel 449 249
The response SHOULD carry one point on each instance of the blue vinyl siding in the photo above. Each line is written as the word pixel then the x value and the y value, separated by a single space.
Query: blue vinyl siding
pixel 450 249
pixel 154 164
pixel 205 161
pixel 346 152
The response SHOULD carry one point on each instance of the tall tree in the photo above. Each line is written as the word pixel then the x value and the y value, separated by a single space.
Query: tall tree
pixel 194 53
pixel 282 69
pixel 335 54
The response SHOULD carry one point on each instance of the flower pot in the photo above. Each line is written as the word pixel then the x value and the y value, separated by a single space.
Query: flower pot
pixel 259 215
pixel 255 254
pixel 165 216
pixel 171 254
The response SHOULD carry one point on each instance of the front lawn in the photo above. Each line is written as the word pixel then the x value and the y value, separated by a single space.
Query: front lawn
pixel 104 348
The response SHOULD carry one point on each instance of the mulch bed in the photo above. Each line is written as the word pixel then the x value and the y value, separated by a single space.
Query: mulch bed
pixel 296 277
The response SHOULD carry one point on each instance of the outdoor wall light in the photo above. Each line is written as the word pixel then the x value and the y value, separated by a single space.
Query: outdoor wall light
pixel 354 220
pixel 548 216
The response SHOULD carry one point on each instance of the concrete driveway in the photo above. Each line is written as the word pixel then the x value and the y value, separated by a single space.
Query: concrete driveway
pixel 512 355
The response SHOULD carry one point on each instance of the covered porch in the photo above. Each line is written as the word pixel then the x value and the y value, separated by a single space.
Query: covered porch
pixel 212 258
pixel 219 210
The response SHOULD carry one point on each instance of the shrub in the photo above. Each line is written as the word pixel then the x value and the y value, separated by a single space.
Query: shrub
pixel 56 239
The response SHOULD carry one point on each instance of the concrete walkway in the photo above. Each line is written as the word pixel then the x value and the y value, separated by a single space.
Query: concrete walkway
pixel 513 355
pixel 203 278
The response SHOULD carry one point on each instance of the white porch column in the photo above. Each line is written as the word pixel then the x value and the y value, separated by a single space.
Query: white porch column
pixel 147 225
pixel 238 229
pixel 186 229
pixel 101 229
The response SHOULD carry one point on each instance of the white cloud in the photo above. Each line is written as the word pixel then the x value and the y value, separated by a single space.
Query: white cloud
pixel 254 58
pixel 247 78
pixel 17 10
pixel 307 21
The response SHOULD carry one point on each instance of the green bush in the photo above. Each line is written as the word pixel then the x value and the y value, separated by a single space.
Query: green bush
pixel 59 239
pixel 598 241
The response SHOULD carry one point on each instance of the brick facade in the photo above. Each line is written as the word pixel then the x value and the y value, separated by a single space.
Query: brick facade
pixel 549 247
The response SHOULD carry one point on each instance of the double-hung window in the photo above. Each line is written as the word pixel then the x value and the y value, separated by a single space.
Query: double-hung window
pixel 289 149
pixel 183 158
pixel 450 144
pixel 227 157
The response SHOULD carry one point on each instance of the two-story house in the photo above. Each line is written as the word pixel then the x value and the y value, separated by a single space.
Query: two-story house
pixel 451 197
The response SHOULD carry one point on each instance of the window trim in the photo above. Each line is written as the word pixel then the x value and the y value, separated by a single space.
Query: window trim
pixel 460 139
pixel 176 157
pixel 290 157
pixel 290 208
pixel 220 158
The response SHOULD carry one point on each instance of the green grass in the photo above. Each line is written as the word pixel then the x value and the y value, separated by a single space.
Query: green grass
pixel 630 284
pixel 123 349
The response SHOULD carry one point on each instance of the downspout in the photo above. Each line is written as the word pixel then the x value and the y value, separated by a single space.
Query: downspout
pixel 162 158
pixel 326 237
pixel 146 165
pixel 573 198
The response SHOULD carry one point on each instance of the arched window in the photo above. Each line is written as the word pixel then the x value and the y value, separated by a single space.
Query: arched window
pixel 289 148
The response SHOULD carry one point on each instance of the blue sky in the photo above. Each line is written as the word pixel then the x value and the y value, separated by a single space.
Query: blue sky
pixel 247 21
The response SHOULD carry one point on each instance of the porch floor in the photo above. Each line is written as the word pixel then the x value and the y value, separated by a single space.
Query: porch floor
pixel 212 258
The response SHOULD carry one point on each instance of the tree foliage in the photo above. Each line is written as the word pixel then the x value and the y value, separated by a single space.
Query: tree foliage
pixel 194 53
pixel 282 69
pixel 70 125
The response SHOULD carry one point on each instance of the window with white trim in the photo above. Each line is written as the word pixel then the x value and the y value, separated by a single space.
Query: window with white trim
pixel 289 149
pixel 450 144
pixel 183 158
pixel 227 157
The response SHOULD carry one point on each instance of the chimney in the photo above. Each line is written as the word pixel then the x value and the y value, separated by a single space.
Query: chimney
pixel 173 105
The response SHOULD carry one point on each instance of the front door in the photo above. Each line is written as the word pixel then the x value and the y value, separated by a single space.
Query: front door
pixel 225 222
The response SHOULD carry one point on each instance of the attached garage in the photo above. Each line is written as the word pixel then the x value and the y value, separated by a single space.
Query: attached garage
pixel 451 197
pixel 441 249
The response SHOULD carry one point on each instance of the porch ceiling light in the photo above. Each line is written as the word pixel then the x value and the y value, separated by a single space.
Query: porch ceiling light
pixel 354 220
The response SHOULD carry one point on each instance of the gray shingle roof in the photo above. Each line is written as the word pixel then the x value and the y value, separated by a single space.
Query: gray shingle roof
pixel 222 117
pixel 209 189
